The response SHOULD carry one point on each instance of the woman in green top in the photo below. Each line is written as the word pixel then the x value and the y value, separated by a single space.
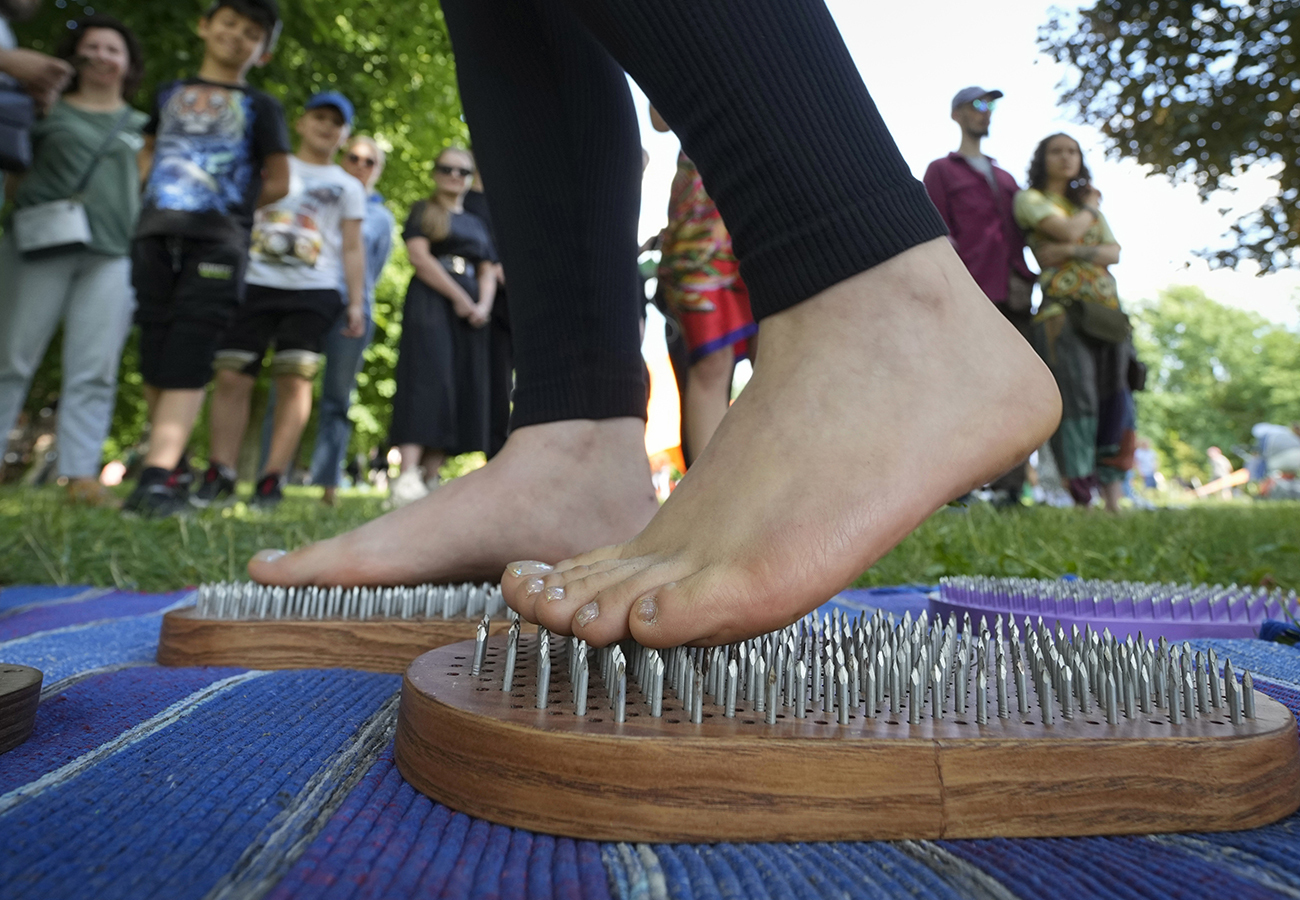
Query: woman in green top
pixel 1074 246
pixel 88 289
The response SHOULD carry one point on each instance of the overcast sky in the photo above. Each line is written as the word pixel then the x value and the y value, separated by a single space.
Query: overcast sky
pixel 914 57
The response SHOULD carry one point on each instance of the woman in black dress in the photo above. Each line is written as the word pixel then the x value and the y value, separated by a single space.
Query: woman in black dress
pixel 442 405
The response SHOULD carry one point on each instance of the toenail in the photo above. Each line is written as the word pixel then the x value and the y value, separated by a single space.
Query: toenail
pixel 269 556
pixel 554 593
pixel 529 567
pixel 588 614
pixel 532 587
pixel 647 610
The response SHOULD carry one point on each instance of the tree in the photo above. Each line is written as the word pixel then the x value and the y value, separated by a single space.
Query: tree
pixel 1199 90
pixel 393 60
pixel 1214 372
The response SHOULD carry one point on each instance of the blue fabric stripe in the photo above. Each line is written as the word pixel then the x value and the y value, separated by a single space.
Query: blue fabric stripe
pixel 387 841
pixel 27 594
pixel 62 653
pixel 1122 867
pixel 170 815
pixel 60 615
pixel 79 720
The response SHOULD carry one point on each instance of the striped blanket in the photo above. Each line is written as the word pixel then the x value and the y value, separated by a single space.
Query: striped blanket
pixel 142 782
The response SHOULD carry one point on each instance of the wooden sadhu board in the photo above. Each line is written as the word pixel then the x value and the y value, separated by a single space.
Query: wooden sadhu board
pixel 20 696
pixel 464 742
pixel 371 645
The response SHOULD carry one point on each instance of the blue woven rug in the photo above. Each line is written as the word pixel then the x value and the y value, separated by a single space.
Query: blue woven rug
pixel 142 782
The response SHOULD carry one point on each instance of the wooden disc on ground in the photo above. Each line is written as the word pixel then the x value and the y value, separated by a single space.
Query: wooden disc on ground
pixel 464 742
pixel 371 645
pixel 20 695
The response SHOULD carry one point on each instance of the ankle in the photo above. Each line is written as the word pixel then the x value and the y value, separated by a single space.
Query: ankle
pixel 154 475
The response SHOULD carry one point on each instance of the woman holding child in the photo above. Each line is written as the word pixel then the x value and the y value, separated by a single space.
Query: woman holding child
pixel 91 134
pixel 1082 334
pixel 442 405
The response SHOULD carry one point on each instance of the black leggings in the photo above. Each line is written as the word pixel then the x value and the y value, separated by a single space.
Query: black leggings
pixel 767 102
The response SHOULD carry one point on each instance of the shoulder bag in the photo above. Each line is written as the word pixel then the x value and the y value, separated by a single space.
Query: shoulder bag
pixel 1098 321
pixel 61 225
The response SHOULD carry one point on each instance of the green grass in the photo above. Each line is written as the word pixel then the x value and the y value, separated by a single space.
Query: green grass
pixel 43 540
pixel 1215 543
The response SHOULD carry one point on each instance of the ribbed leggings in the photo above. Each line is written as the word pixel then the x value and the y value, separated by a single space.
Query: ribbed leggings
pixel 765 99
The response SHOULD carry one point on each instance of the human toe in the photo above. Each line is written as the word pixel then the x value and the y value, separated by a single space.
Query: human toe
pixel 602 617
pixel 314 564
pixel 697 609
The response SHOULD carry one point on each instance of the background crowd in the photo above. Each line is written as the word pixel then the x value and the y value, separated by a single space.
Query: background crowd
pixel 453 366
pixel 223 245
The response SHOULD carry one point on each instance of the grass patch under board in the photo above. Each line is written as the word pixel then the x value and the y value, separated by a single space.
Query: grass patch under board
pixel 43 540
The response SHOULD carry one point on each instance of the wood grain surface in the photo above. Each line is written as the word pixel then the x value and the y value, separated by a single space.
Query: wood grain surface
pixel 371 645
pixel 464 742
pixel 20 695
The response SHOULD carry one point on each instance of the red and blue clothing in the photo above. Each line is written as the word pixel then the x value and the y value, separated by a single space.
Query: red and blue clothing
pixel 699 274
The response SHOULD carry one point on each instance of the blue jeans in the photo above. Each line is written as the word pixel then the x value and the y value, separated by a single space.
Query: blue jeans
pixel 343 360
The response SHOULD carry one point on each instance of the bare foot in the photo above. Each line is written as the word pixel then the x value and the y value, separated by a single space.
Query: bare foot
pixel 554 490
pixel 876 402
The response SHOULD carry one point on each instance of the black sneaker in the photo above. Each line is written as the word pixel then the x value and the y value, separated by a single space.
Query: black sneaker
pixel 268 493
pixel 183 475
pixel 218 484
pixel 155 496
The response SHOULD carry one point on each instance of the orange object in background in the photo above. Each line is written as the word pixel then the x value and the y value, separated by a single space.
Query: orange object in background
pixel 663 433
pixel 1236 479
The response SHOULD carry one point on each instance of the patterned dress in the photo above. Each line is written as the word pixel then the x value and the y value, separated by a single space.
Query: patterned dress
pixel 699 275
pixel 1096 439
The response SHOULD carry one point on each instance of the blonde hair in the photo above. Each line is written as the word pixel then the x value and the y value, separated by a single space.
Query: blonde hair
pixel 436 220
pixel 381 158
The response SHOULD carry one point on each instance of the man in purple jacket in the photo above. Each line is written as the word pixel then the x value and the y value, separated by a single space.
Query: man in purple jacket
pixel 975 197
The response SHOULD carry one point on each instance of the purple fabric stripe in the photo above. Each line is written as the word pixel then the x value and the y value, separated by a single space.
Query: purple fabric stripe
pixel 388 841
pixel 95 711
pixel 117 605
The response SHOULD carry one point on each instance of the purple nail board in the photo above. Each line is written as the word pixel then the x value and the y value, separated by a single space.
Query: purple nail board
pixel 1176 611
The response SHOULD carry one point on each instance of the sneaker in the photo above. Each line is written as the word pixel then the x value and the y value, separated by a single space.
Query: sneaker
pixel 407 488
pixel 155 496
pixel 268 493
pixel 218 484
pixel 183 475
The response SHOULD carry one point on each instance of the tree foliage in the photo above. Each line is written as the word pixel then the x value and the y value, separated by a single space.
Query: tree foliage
pixel 1199 90
pixel 1214 372
pixel 393 60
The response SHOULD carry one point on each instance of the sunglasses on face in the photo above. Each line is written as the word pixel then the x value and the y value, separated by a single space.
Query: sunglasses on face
pixel 453 170
pixel 356 160
pixel 983 105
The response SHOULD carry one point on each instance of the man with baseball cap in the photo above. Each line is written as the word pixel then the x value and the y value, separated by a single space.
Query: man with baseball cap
pixel 975 197
pixel 302 248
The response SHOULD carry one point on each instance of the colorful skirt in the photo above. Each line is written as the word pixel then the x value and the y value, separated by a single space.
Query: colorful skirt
pixel 714 313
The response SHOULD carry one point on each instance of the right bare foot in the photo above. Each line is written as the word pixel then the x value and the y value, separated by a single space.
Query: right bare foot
pixel 874 403
pixel 553 491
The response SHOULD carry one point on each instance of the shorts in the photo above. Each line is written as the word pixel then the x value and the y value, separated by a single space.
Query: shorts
pixel 296 322
pixel 186 292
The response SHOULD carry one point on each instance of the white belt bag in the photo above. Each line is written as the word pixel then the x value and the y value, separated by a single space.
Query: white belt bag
pixel 51 227
pixel 60 225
